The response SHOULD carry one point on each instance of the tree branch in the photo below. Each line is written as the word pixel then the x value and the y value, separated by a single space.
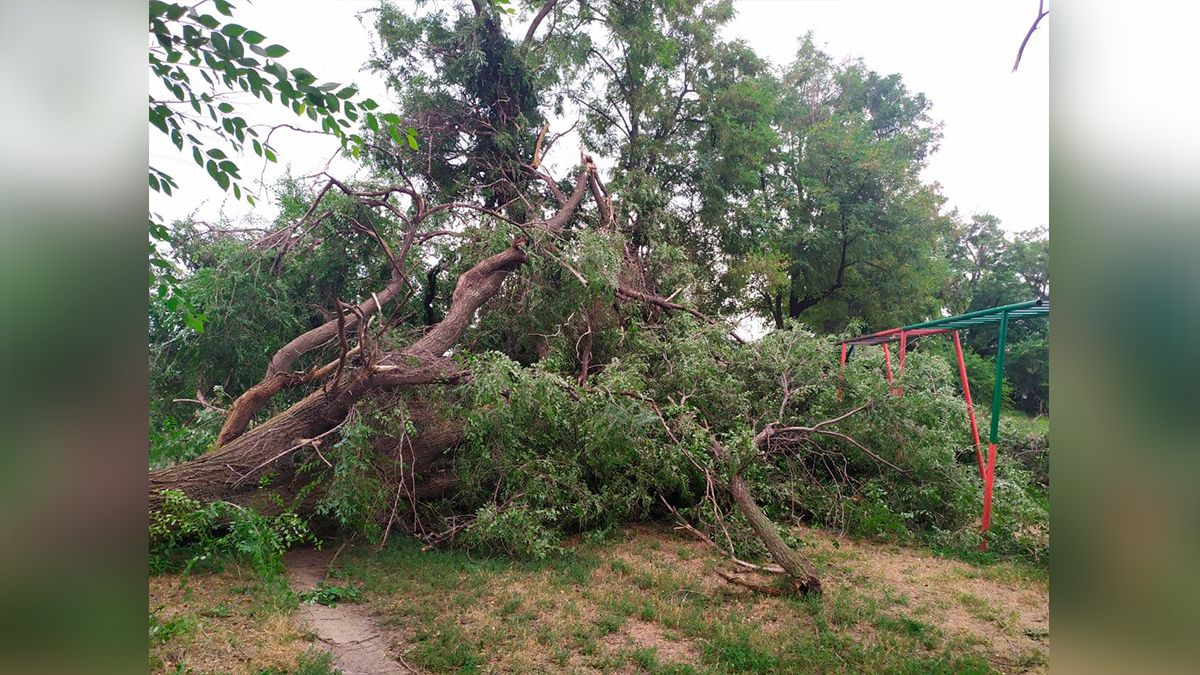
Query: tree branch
pixel 1042 13
pixel 537 21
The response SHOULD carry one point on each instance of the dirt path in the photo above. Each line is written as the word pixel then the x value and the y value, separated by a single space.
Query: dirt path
pixel 358 645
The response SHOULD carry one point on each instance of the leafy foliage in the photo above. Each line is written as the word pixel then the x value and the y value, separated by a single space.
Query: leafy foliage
pixel 202 64
pixel 790 195
pixel 188 535
pixel 330 595
pixel 545 457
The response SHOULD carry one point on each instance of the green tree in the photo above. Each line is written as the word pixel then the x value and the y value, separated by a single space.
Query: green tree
pixel 466 347
pixel 201 66
pixel 843 226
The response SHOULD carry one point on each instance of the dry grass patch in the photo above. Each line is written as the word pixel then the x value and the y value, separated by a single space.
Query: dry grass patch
pixel 644 600
pixel 226 622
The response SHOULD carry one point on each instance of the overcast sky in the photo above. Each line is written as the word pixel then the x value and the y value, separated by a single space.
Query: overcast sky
pixel 994 155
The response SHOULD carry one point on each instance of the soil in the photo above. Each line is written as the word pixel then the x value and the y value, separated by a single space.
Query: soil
pixel 357 643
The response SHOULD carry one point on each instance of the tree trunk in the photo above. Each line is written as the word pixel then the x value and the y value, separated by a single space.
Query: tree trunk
pixel 234 466
pixel 802 573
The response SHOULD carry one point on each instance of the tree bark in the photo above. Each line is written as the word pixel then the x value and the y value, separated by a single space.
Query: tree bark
pixel 801 572
pixel 234 466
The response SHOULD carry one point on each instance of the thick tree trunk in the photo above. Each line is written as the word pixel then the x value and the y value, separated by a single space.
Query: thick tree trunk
pixel 236 464
pixel 233 467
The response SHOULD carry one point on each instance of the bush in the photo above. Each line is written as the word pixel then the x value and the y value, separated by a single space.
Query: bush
pixel 546 457
pixel 186 536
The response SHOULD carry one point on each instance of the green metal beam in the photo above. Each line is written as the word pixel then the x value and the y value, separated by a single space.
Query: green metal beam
pixel 998 388
pixel 1020 310
pixel 978 314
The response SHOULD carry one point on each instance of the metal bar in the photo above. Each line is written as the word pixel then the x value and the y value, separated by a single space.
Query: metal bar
pixel 887 358
pixel 989 480
pixel 994 436
pixel 842 379
pixel 1029 308
pixel 1002 310
pixel 966 387
pixel 998 386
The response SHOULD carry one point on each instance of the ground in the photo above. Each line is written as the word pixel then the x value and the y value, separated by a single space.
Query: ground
pixel 642 599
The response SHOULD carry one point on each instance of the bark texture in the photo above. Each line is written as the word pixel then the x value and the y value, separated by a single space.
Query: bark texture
pixel 241 456
pixel 800 571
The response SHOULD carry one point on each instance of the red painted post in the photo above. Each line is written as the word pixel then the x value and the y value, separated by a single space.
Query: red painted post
pixel 966 387
pixel 887 358
pixel 989 479
pixel 843 377
pixel 903 350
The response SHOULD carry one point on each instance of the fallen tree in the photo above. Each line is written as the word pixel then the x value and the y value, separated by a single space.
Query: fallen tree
pixel 575 377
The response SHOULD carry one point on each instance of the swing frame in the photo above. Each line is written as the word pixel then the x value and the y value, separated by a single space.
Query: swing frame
pixel 952 325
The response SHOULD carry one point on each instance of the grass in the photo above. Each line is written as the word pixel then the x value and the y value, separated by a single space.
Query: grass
pixel 644 599
pixel 230 621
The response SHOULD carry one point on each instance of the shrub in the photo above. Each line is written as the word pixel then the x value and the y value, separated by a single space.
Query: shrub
pixel 187 535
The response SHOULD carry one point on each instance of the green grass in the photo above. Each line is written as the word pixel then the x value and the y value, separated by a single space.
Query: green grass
pixel 441 646
pixel 461 613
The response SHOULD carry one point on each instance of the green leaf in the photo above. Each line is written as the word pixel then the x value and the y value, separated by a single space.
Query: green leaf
pixel 194 322
pixel 216 153
pixel 159 120
pixel 411 133
pixel 219 43
pixel 275 51
pixel 224 7
pixel 225 108
pixel 277 70
pixel 208 21
pixel 154 183
pixel 233 29
pixel 253 37
pixel 303 76
pixel 347 92
pixel 197 156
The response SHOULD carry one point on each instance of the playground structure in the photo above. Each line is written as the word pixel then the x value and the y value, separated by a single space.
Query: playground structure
pixel 952 324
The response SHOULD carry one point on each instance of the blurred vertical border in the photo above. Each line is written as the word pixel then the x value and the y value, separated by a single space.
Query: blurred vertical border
pixel 1125 172
pixel 72 335
pixel 1125 227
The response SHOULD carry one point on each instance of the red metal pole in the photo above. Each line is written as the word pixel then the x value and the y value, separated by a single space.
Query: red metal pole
pixel 843 378
pixel 966 387
pixel 887 358
pixel 989 479
pixel 903 350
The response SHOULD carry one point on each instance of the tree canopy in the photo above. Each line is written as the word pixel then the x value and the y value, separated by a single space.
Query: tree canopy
pixel 464 346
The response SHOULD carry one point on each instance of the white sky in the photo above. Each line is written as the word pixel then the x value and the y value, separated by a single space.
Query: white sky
pixel 994 156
